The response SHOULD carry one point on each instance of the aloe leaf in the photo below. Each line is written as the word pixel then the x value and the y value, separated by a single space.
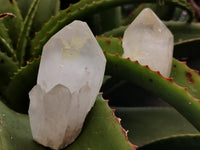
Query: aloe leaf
pixel 117 32
pixel 183 32
pixel 111 45
pixel 173 94
pixel 142 76
pixel 184 142
pixel 101 130
pixel 186 77
pixel 21 83
pixel 7 69
pixel 28 76
pixel 78 11
pixel 7 48
pixel 13 24
pixel 47 8
pixel 101 22
pixel 25 31
pixel 149 123
pixel 3 29
pixel 186 38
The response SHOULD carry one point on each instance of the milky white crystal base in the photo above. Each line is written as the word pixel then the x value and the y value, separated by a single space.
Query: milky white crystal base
pixel 150 42
pixel 70 75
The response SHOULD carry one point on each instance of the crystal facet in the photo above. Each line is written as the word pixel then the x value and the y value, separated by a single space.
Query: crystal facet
pixel 70 75
pixel 149 41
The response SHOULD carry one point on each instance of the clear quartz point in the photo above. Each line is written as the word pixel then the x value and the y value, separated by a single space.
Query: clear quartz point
pixel 150 42
pixel 69 79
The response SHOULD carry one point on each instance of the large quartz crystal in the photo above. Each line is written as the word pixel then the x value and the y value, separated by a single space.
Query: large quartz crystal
pixel 148 41
pixel 70 75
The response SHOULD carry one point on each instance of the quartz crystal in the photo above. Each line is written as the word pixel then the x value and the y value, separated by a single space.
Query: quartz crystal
pixel 70 75
pixel 149 41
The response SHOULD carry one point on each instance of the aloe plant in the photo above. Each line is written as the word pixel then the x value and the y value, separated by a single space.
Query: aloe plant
pixel 23 33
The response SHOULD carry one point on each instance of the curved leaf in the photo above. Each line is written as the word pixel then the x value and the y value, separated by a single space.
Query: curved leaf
pixel 79 10
pixel 7 69
pixel 173 94
pixel 149 123
pixel 186 77
pixel 101 130
pixel 184 142
pixel 47 8
pixel 111 45
pixel 13 24
pixel 25 31
pixel 20 85
pixel 183 32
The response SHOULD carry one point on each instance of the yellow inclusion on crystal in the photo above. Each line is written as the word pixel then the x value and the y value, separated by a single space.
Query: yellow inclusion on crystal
pixel 72 49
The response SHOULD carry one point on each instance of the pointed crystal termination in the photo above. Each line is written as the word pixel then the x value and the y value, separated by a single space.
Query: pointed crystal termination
pixel 70 75
pixel 149 41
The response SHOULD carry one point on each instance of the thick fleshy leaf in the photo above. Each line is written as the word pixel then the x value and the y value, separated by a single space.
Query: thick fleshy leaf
pixel 78 11
pixel 7 69
pixel 25 33
pixel 149 123
pixel 101 131
pixel 175 142
pixel 47 8
pixel 12 23
pixel 186 77
pixel 19 100
pixel 183 32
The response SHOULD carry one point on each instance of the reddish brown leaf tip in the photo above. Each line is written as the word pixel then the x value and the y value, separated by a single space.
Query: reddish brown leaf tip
pixel 7 14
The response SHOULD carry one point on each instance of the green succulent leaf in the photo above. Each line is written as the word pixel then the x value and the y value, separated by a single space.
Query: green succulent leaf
pixel 186 77
pixel 3 30
pixel 101 130
pixel 149 123
pixel 183 32
pixel 20 85
pixel 25 31
pixel 176 96
pixel 7 48
pixel 47 8
pixel 142 76
pixel 184 142
pixel 7 69
pixel 111 45
pixel 78 11
pixel 13 24
pixel 5 41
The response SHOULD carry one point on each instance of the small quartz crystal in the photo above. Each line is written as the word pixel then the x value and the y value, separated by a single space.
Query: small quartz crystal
pixel 70 75
pixel 150 42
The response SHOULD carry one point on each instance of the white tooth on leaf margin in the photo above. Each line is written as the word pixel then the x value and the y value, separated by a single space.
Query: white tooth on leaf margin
pixel 150 42
pixel 70 76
